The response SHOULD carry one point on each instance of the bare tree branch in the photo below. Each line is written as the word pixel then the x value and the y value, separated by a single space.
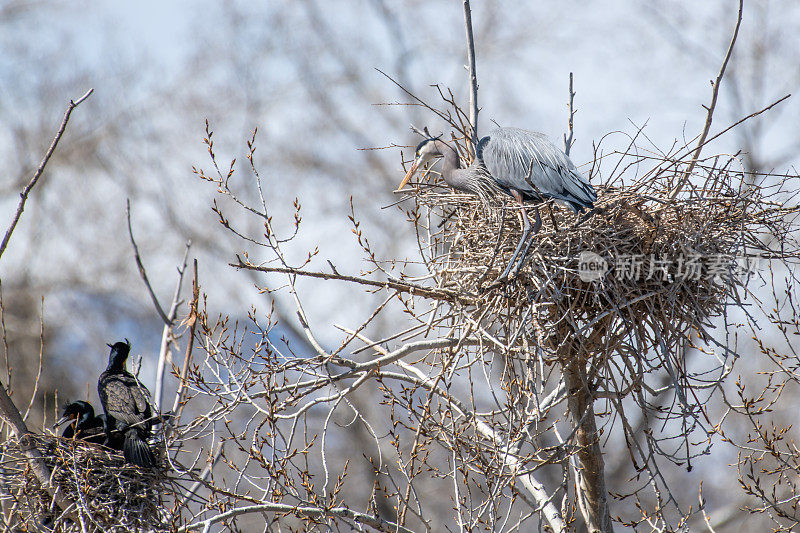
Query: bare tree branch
pixel 191 320
pixel 568 139
pixel 7 408
pixel 411 288
pixel 473 78
pixel 710 108
pixel 26 191
pixel 744 119
pixel 166 334
pixel 591 485
pixel 142 271
pixel 313 512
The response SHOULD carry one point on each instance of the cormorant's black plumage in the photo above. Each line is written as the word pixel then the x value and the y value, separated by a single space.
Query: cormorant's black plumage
pixel 82 423
pixel 128 402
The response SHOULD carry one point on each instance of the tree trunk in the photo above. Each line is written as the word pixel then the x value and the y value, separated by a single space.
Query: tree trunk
pixel 10 413
pixel 590 477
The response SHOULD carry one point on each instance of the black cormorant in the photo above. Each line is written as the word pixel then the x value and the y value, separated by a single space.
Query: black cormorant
pixel 82 423
pixel 128 402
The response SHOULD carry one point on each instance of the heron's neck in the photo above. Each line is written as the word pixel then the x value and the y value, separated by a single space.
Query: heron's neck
pixel 453 175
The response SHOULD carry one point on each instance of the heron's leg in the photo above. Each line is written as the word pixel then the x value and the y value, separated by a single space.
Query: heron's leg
pixel 552 216
pixel 588 215
pixel 536 227
pixel 538 224
pixel 526 229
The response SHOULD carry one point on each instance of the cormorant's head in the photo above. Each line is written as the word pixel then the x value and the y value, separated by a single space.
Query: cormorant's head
pixel 79 410
pixel 119 353
pixel 426 150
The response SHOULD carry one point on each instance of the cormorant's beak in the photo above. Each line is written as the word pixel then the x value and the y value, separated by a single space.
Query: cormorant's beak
pixel 409 174
pixel 109 345
pixel 61 421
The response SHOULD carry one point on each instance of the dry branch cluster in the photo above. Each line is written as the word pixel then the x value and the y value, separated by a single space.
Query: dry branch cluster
pixel 472 391
pixel 667 266
pixel 460 413
pixel 109 494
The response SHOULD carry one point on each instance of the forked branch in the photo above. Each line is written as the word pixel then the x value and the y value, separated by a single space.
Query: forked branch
pixel 29 187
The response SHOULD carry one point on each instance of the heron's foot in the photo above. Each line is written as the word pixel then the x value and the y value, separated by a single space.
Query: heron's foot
pixel 552 218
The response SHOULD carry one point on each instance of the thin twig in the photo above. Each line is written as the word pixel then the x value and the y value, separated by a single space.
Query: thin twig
pixel 166 334
pixel 748 117
pixel 419 290
pixel 315 512
pixel 568 140
pixel 191 320
pixel 142 271
pixel 8 410
pixel 710 108
pixel 39 367
pixel 26 191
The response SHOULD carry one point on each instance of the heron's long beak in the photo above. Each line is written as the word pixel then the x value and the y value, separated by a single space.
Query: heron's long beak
pixel 410 173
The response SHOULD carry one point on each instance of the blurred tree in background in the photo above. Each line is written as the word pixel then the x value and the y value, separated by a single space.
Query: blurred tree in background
pixel 304 73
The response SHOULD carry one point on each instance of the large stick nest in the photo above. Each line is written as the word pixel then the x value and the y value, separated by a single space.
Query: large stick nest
pixel 672 264
pixel 108 493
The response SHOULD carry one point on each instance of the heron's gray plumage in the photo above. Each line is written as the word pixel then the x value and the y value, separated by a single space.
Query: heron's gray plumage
pixel 528 162
pixel 522 163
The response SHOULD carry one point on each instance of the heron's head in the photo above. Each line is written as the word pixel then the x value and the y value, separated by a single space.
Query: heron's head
pixel 426 151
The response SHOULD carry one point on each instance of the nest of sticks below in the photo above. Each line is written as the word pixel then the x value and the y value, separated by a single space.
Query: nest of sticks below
pixel 108 494
pixel 642 271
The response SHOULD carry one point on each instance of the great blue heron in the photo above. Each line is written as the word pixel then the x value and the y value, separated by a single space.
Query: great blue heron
pixel 128 402
pixel 521 163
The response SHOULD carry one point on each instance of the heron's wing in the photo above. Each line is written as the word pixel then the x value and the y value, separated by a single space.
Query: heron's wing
pixel 513 156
